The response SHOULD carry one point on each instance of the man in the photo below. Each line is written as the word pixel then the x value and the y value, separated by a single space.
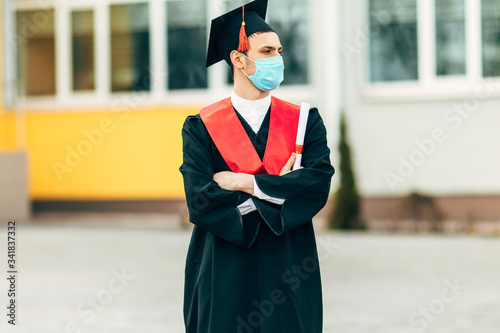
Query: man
pixel 252 264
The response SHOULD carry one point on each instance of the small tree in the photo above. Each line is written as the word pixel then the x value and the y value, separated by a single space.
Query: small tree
pixel 421 208
pixel 347 211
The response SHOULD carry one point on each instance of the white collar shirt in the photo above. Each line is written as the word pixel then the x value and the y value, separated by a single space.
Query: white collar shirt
pixel 253 112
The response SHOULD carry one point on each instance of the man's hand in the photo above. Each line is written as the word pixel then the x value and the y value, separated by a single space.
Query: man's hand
pixel 289 164
pixel 232 181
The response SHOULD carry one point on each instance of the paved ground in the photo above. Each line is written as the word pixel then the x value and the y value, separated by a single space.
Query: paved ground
pixel 124 274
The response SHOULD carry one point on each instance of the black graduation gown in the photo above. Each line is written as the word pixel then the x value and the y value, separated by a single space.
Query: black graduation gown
pixel 258 272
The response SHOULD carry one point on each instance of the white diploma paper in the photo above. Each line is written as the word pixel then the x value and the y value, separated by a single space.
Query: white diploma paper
pixel 301 132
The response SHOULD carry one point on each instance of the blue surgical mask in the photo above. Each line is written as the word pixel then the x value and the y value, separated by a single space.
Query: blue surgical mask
pixel 269 73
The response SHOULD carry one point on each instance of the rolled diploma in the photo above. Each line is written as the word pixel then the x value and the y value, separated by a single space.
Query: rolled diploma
pixel 301 132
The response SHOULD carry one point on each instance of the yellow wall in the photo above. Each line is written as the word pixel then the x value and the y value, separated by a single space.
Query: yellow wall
pixel 104 155
pixel 133 154
pixel 1 63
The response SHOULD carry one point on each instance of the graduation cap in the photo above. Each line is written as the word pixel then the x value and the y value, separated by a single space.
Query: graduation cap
pixel 230 31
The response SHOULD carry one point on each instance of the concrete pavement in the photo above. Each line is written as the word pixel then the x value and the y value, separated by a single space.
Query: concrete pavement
pixel 106 273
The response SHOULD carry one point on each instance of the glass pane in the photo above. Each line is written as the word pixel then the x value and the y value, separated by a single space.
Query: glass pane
pixel 187 44
pixel 290 20
pixel 491 37
pixel 393 41
pixel 450 37
pixel 36 52
pixel 129 47
pixel 83 50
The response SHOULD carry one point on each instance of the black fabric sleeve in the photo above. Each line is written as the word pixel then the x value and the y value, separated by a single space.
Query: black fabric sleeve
pixel 211 207
pixel 305 190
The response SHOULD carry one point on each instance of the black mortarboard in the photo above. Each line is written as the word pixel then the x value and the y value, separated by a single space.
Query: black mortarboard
pixel 227 30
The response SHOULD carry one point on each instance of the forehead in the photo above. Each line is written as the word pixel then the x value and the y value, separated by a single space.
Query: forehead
pixel 268 38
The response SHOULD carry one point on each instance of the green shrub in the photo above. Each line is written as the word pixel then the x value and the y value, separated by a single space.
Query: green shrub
pixel 346 214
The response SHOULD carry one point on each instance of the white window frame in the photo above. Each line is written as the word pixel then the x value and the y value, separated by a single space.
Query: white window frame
pixel 430 86
pixel 9 82
pixel 102 96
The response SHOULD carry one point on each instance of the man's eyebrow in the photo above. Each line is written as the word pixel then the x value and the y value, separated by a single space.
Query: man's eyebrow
pixel 272 48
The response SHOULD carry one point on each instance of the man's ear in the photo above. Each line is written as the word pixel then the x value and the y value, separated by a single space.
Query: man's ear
pixel 236 59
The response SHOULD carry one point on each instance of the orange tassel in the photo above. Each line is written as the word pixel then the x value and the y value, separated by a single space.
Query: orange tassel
pixel 244 43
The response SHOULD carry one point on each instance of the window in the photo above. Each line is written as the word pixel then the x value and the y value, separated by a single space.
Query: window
pixel 393 41
pixel 433 43
pixel 129 47
pixel 450 37
pixel 88 50
pixel 290 21
pixel 187 39
pixel 36 47
pixel 83 50
pixel 491 37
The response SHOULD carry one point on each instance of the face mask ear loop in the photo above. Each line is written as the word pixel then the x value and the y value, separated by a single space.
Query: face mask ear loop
pixel 245 73
pixel 248 59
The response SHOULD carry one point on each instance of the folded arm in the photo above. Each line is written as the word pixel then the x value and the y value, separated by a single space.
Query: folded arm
pixel 211 207
pixel 303 192
pixel 232 181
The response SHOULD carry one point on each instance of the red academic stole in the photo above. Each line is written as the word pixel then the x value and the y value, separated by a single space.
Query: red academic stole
pixel 235 146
